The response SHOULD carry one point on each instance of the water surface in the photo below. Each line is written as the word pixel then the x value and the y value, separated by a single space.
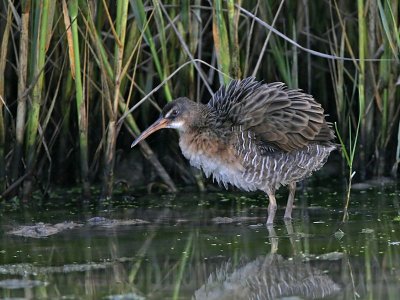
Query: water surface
pixel 204 246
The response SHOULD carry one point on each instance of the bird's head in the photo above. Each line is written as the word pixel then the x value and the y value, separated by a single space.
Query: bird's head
pixel 175 114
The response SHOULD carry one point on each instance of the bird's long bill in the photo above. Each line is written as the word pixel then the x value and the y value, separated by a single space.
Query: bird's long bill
pixel 157 125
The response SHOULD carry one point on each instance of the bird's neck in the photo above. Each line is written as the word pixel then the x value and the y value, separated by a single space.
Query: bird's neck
pixel 201 117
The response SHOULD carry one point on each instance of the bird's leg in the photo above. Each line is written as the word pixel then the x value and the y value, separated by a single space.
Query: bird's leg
pixel 271 207
pixel 289 206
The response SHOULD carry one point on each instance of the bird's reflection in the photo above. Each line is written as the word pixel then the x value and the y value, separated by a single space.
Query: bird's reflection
pixel 269 277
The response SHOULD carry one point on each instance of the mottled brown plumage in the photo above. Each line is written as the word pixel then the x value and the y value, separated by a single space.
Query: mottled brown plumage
pixel 252 135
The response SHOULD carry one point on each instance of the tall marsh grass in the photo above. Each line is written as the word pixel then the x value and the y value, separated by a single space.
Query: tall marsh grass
pixel 70 71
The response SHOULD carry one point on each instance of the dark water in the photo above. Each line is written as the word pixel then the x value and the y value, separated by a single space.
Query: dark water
pixel 208 246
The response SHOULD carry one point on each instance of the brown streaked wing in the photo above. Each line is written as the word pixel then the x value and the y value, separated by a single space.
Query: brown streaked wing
pixel 286 118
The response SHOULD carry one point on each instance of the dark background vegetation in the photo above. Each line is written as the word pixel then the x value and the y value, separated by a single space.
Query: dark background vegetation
pixel 71 71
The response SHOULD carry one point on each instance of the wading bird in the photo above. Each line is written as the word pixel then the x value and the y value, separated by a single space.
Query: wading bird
pixel 252 135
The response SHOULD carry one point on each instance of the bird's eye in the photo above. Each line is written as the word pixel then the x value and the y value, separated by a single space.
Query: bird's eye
pixel 174 113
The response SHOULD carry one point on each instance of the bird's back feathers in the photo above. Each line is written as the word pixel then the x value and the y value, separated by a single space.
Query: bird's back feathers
pixel 286 118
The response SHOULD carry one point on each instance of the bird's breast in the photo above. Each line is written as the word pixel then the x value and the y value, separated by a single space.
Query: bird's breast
pixel 216 156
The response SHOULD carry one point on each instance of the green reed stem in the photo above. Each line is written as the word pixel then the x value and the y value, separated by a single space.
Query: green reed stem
pixel 79 98
pixel 65 108
pixel 233 24
pixel 349 156
pixel 141 19
pixel 22 79
pixel 221 41
pixel 279 54
pixel 362 43
pixel 158 17
pixel 3 56
pixel 389 25
pixel 39 55
pixel 111 139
